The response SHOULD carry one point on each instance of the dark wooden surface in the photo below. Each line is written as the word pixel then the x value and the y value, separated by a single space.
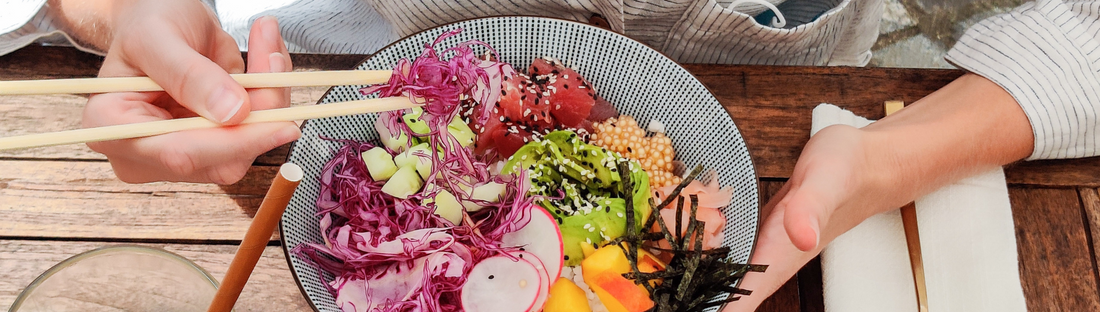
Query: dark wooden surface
pixel 59 201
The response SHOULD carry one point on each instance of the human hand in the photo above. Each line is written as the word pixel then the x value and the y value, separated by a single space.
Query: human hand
pixel 846 175
pixel 841 179
pixel 180 45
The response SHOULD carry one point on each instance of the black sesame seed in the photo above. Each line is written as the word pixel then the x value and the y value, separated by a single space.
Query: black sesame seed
pixel 491 277
pixel 566 257
pixel 607 209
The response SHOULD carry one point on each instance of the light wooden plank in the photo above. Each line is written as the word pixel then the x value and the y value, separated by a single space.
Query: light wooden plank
pixel 271 287
pixel 84 200
pixel 1056 267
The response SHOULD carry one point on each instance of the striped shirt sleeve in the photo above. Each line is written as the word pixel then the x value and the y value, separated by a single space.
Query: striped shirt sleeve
pixel 1046 55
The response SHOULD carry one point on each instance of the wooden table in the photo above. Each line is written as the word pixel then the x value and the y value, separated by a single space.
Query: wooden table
pixel 59 201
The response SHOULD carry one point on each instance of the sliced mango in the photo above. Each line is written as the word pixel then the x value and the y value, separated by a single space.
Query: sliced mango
pixel 566 296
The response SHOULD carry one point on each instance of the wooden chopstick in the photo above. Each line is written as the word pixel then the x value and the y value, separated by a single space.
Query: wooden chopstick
pixel 144 84
pixel 255 239
pixel 912 235
pixel 152 128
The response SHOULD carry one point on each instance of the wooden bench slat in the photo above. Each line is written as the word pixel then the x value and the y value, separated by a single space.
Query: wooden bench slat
pixel 1056 267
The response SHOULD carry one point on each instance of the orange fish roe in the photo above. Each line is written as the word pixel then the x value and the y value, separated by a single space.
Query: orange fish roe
pixel 623 135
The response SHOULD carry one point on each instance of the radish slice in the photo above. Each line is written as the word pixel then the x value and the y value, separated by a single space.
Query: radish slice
pixel 501 284
pixel 542 238
pixel 544 286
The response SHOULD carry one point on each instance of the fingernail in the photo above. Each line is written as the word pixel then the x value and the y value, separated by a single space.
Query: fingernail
pixel 271 33
pixel 278 62
pixel 223 104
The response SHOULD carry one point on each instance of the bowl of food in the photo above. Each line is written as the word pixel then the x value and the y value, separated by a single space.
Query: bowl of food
pixel 549 169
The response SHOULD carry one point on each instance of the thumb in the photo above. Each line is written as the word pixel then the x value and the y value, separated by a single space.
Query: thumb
pixel 193 80
pixel 805 215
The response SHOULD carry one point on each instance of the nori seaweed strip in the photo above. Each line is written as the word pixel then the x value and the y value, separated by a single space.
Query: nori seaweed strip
pixel 631 233
pixel 679 219
pixel 691 222
pixel 693 280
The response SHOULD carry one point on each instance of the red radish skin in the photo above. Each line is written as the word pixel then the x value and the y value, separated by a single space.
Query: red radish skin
pixel 542 238
pixel 501 284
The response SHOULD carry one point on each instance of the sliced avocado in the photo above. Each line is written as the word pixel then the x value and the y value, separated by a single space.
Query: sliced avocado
pixel 583 189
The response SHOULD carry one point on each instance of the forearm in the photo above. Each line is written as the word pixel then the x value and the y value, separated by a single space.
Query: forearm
pixel 89 22
pixel 967 127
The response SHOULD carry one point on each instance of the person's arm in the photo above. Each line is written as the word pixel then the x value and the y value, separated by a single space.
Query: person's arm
pixel 1033 92
pixel 89 22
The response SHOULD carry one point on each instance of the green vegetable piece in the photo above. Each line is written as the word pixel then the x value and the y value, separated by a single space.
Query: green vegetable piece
pixel 413 121
pixel 404 182
pixel 490 192
pixel 409 159
pixel 461 131
pixel 389 140
pixel 379 163
pixel 447 206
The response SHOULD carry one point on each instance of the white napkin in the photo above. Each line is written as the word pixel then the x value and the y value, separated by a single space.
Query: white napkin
pixel 967 238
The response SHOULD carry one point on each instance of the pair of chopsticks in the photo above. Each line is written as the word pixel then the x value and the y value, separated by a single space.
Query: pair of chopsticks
pixel 286 180
pixel 144 84
pixel 912 235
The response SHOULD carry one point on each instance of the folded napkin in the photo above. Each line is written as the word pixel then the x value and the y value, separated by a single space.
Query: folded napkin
pixel 967 238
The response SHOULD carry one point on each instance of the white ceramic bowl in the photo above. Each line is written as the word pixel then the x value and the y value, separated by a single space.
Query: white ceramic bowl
pixel 638 80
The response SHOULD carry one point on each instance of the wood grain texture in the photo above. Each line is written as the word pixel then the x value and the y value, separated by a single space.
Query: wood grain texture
pixel 70 199
pixel 271 287
pixel 1090 202
pixel 1057 270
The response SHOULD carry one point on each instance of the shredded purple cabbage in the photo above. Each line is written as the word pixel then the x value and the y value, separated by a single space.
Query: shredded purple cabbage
pixel 392 254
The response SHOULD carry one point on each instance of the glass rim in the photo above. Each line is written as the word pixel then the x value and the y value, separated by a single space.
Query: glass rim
pixel 68 262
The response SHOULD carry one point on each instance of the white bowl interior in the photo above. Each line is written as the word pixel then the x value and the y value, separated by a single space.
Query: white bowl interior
pixel 638 80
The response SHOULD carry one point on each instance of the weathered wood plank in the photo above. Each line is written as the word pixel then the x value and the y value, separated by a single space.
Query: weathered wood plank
pixel 1090 202
pixel 68 199
pixel 1056 267
pixel 271 287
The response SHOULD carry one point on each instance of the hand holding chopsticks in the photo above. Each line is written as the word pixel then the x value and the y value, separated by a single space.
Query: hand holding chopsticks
pixel 264 80
pixel 152 128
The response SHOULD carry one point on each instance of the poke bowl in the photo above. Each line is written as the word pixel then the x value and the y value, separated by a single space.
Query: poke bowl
pixel 658 94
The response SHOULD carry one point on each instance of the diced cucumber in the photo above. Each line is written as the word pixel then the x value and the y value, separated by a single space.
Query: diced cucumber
pixel 404 182
pixel 461 131
pixel 413 121
pixel 490 192
pixel 389 140
pixel 409 159
pixel 379 163
pixel 447 206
